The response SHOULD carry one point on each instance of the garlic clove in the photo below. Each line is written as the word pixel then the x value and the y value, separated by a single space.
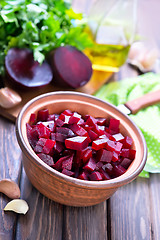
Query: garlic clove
pixel 18 206
pixel 9 188
pixel 9 98
pixel 142 57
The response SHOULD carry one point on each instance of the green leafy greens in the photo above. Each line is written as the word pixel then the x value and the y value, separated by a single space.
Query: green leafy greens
pixel 40 25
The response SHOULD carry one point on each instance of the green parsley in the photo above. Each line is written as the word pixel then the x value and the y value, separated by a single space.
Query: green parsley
pixel 40 25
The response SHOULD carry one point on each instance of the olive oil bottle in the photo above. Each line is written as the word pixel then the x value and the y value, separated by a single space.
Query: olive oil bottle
pixel 112 36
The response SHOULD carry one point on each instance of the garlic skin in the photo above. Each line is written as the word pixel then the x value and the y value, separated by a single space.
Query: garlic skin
pixel 9 98
pixel 9 188
pixel 142 57
pixel 18 206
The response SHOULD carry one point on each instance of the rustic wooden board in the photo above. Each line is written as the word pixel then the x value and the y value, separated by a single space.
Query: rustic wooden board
pixel 44 219
pixel 10 167
pixel 97 80
pixel 130 212
pixel 86 223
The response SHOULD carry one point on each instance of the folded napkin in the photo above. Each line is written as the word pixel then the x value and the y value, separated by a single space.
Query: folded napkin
pixel 148 119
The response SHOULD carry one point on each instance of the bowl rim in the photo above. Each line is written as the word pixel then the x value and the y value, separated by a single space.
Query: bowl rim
pixel 112 183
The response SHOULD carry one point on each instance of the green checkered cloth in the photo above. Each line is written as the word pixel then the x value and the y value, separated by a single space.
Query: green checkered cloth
pixel 148 119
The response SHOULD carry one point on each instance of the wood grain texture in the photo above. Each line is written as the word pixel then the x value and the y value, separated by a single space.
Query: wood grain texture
pixel 130 212
pixel 87 223
pixel 10 167
pixel 154 186
pixel 44 218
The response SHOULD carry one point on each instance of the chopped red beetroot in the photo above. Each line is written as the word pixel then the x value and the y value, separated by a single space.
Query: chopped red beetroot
pixel 77 129
pixel 75 117
pixel 67 172
pixel 95 176
pixel 48 146
pixel 43 131
pixel 83 176
pixel 99 143
pixel 42 115
pixel 104 155
pixel 32 119
pixel 114 126
pixel 76 143
pixel 86 148
pixel 90 165
pixel 46 158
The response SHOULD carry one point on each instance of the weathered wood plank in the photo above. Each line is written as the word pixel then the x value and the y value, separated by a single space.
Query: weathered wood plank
pixel 44 218
pixel 10 167
pixel 130 212
pixel 87 223
pixel 154 185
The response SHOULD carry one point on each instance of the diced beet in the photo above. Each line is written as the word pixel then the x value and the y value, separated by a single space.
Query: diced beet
pixel 93 136
pixel 76 143
pixel 58 147
pixel 40 144
pixel 32 138
pixel 101 121
pixel 42 115
pixel 53 136
pixel 67 164
pixel 46 158
pixel 95 176
pixel 67 112
pixel 91 121
pixel 58 164
pixel 90 165
pixel 108 168
pixel 118 170
pixel 118 137
pixel 32 119
pixel 43 131
pixel 51 117
pixel 127 142
pixel 65 131
pixel 64 118
pixel 99 143
pixel 74 118
pixel 71 67
pixel 132 154
pixel 125 153
pixel 87 155
pixel 60 137
pixel 52 126
pixel 97 130
pixel 118 147
pixel 67 172
pixel 104 155
pixel 114 126
pixel 126 162
pixel 48 146
pixel 24 71
pixel 99 165
pixel 115 157
pixel 110 145
pixel 59 122
pixel 105 175
pixel 83 176
pixel 80 131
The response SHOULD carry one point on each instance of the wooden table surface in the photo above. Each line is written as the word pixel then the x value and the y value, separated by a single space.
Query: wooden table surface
pixel 132 213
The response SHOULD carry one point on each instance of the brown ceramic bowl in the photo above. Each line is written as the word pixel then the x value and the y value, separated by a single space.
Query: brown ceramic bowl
pixel 57 186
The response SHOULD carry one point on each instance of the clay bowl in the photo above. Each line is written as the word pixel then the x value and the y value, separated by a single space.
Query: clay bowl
pixel 57 186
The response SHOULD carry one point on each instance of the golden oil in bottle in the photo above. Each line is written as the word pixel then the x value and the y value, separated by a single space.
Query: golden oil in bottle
pixel 110 48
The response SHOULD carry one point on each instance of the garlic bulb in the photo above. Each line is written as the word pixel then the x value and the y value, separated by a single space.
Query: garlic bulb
pixel 9 98
pixel 142 57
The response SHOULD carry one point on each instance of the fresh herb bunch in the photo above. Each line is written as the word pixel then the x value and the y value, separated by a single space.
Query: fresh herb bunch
pixel 40 25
